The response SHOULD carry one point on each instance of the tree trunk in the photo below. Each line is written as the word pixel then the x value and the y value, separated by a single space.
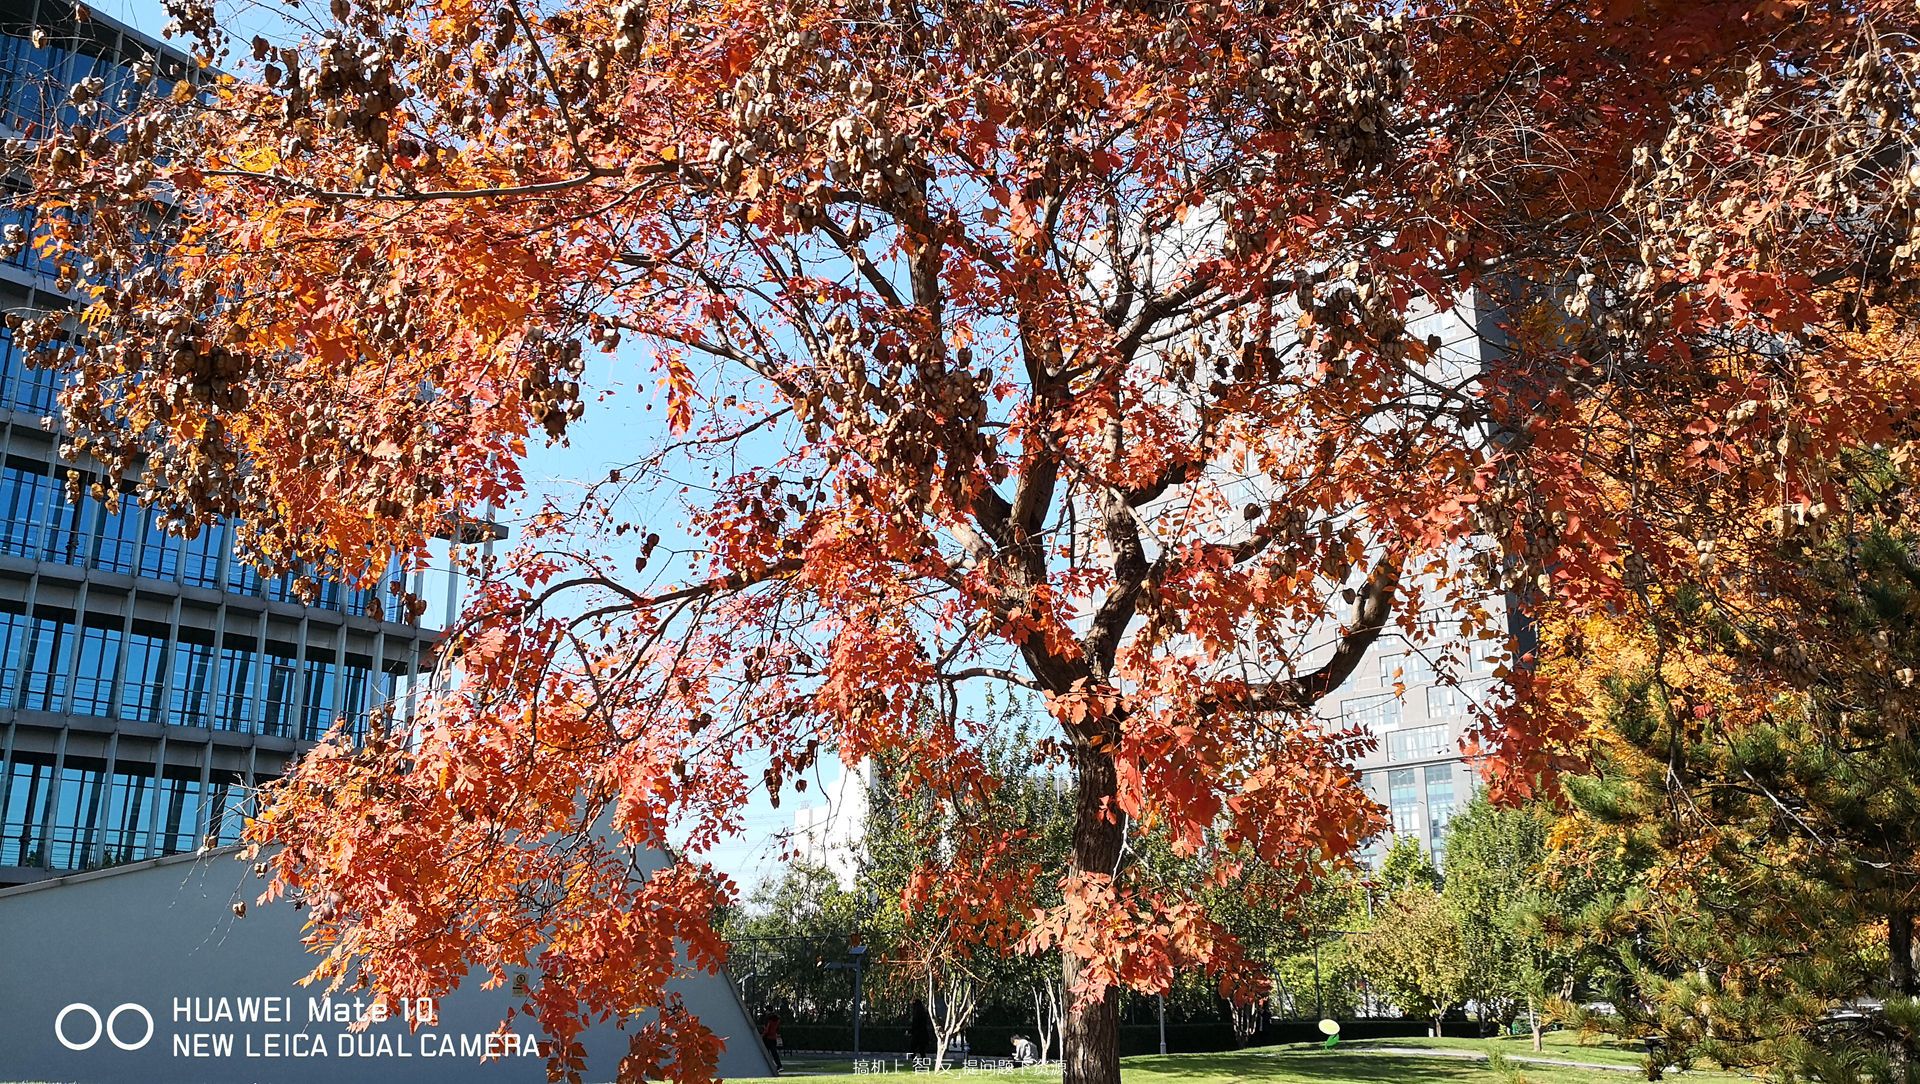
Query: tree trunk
pixel 1090 1047
pixel 1900 975
pixel 935 1016
pixel 1436 1025
pixel 1044 1019
pixel 1900 978
pixel 1533 1020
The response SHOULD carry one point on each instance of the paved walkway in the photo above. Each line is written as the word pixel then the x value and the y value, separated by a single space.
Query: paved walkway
pixel 1475 1055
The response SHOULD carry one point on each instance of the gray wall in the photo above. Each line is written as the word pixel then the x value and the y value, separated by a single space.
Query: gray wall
pixel 153 932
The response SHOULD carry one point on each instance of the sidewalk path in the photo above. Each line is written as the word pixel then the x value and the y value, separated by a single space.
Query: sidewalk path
pixel 1475 1055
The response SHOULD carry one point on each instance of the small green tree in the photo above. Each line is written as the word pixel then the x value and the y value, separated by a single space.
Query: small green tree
pixel 1302 948
pixel 1413 954
pixel 1520 901
pixel 1013 817
pixel 1406 865
pixel 787 927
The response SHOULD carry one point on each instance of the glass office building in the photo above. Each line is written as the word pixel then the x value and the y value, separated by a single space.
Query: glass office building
pixel 1417 712
pixel 1417 699
pixel 148 682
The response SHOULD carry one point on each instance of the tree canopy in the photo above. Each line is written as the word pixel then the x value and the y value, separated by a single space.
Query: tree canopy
pixel 1759 769
pixel 1068 346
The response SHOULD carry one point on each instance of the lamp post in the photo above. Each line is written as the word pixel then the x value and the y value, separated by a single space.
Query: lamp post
pixel 1319 999
pixel 859 954
pixel 859 958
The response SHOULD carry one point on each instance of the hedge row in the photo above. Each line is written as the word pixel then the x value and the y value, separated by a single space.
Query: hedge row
pixel 991 1041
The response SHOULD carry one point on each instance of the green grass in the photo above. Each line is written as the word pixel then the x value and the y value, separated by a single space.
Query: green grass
pixel 1351 1064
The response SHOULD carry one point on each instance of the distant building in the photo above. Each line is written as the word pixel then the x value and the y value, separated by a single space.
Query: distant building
pixel 147 683
pixel 1418 697
pixel 1417 770
pixel 833 834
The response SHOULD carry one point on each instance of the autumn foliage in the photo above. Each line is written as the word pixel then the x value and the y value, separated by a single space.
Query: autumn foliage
pixel 1060 345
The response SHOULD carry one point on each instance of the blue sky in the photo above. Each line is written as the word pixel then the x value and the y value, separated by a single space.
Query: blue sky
pixel 617 427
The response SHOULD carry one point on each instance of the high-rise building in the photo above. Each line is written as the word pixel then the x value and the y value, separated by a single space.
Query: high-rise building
pixel 148 682
pixel 1418 700
pixel 832 835
pixel 1418 697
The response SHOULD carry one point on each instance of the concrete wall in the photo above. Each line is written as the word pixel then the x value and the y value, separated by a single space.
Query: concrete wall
pixel 162 936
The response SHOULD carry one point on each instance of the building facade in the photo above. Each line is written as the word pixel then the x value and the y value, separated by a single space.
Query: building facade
pixel 1417 701
pixel 148 682
pixel 832 835
pixel 1418 697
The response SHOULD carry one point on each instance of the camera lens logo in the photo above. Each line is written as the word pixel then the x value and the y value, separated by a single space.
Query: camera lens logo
pixel 114 1027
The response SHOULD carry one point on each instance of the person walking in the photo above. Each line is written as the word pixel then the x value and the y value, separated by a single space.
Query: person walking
pixel 920 1029
pixel 770 1034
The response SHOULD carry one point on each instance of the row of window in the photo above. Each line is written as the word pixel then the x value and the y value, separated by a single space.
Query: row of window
pixel 1417 667
pixel 1409 789
pixel 47 664
pixel 82 817
pixel 1380 713
pixel 38 521
pixel 35 80
pixel 23 387
pixel 1420 743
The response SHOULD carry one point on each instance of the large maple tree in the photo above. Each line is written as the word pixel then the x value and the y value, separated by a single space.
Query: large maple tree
pixel 1061 345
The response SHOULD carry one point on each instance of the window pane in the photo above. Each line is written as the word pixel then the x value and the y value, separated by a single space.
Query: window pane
pixel 178 803
pixel 1403 800
pixel 1440 804
pixel 159 552
pixel 1377 714
pixel 1407 668
pixel 116 535
pixel 204 552
pixel 143 677
pixel 278 716
pixel 243 578
pixel 93 675
pixel 23 500
pixel 128 812
pixel 64 537
pixel 236 695
pixel 46 657
pixel 318 695
pixel 76 807
pixel 27 795
pixel 192 684
pixel 1419 743
pixel 14 629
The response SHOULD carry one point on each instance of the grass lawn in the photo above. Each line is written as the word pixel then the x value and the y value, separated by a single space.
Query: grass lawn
pixel 1312 1065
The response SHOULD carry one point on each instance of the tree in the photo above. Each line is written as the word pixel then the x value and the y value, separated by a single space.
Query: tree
pixel 1407 865
pixel 1521 901
pixel 1413 955
pixel 1762 769
pixel 1493 860
pixel 918 845
pixel 781 938
pixel 1058 346
pixel 1318 974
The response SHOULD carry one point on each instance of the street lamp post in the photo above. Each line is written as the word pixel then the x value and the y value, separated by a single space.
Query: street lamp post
pixel 859 958
pixel 859 954
pixel 1319 998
